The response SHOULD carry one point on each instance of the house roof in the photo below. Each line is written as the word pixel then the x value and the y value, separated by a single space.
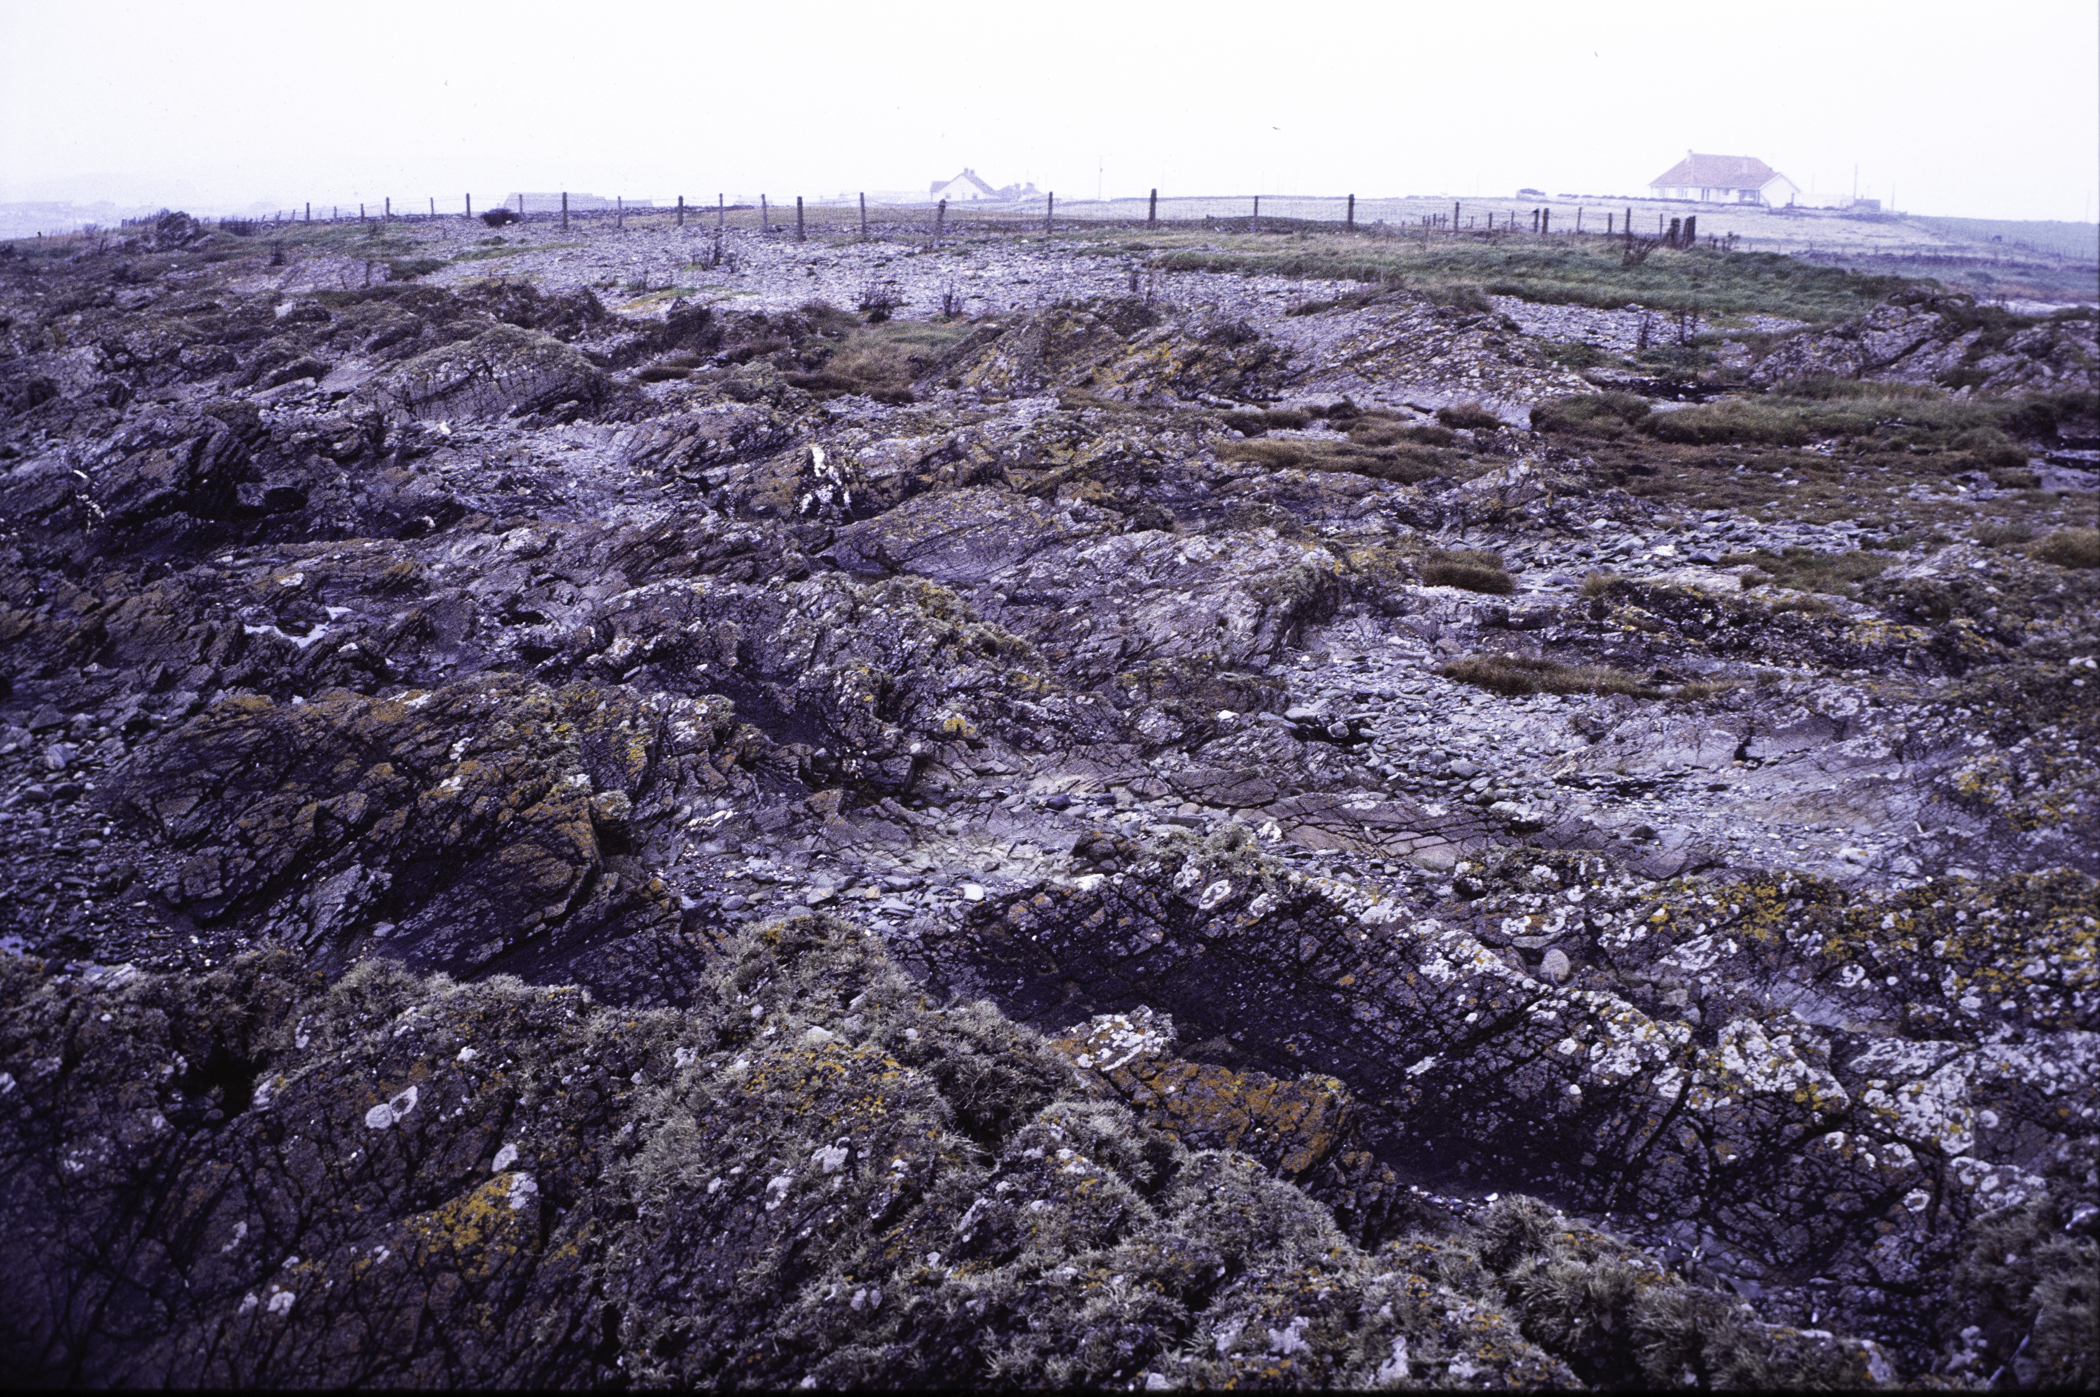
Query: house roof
pixel 967 174
pixel 1697 171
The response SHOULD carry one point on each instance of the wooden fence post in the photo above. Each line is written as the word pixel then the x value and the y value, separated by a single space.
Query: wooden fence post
pixel 564 210
pixel 309 211
pixel 681 210
pixel 1546 222
pixel 1254 224
pixel 521 208
pixel 1050 211
pixel 1350 218
pixel 1454 217
pixel 387 215
pixel 940 216
pixel 799 237
pixel 1578 218
pixel 721 208
pixel 765 216
pixel 1152 210
pixel 470 206
pixel 619 214
pixel 863 215
pixel 360 213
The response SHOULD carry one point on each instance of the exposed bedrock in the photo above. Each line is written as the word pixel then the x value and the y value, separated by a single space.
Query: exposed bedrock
pixel 1173 832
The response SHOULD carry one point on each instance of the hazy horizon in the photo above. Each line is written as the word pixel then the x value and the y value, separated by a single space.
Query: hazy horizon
pixel 240 105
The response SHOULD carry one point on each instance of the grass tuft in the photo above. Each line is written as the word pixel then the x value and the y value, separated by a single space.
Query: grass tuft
pixel 1469 569
pixel 2069 548
pixel 1519 675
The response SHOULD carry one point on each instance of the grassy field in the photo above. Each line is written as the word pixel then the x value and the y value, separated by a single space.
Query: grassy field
pixel 1585 272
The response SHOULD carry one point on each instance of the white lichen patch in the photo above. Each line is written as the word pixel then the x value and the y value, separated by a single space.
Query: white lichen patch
pixel 386 1113
pixel 1748 1061
pixel 1934 1111
pixel 1111 1041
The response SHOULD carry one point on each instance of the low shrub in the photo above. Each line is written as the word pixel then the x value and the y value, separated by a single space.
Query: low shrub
pixel 2001 535
pixel 1518 675
pixel 1468 415
pixel 1591 414
pixel 408 269
pixel 1402 463
pixel 1804 570
pixel 1731 422
pixel 1573 354
pixel 2069 548
pixel 1468 569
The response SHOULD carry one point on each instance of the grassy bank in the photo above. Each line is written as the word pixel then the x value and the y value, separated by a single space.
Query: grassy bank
pixel 1584 271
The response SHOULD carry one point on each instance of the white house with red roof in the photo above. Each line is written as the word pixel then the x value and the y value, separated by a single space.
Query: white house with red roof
pixel 1724 179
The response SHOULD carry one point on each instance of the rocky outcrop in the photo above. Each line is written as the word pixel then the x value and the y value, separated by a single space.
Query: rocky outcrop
pixel 810 1174
pixel 679 844
pixel 1949 341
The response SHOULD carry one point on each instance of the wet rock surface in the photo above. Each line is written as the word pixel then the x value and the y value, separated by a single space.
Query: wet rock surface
pixel 1128 839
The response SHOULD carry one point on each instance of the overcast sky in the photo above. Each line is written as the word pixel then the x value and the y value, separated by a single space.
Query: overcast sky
pixel 1987 111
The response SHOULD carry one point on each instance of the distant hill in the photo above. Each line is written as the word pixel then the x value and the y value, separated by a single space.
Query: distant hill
pixel 2080 240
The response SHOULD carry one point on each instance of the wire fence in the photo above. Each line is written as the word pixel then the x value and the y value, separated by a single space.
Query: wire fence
pixel 1558 219
pixel 832 218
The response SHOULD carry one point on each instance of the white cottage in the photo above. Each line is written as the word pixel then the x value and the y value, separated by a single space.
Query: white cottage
pixel 1724 179
pixel 965 188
